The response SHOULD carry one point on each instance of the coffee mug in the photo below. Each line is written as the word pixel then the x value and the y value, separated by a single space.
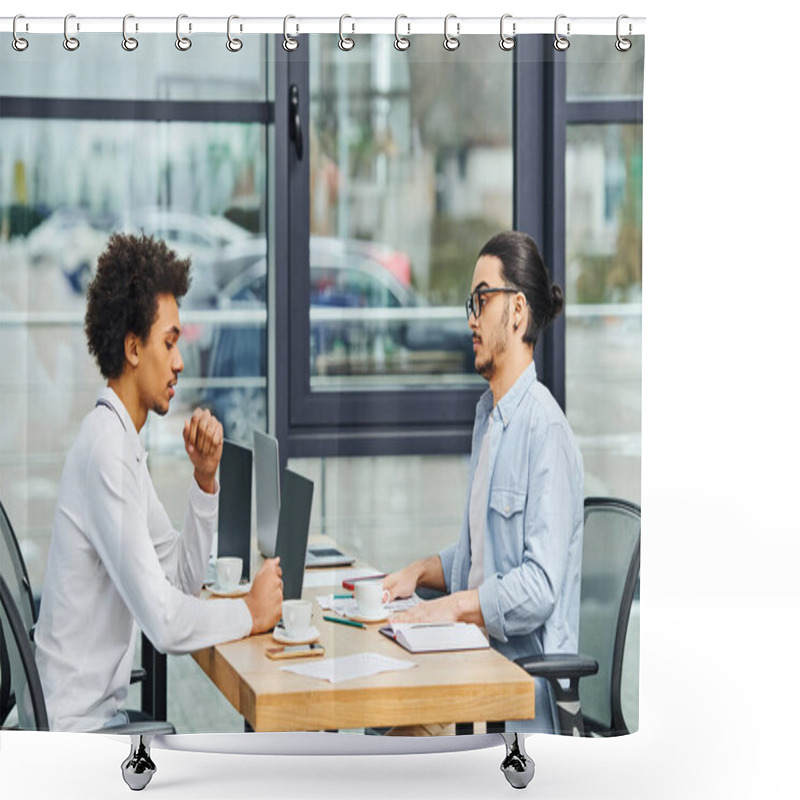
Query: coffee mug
pixel 370 597
pixel 229 572
pixel 296 616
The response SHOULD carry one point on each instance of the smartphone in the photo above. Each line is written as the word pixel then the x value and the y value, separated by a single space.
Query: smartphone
pixel 296 650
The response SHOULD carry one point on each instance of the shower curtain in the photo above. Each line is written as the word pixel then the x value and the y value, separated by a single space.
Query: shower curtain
pixel 333 192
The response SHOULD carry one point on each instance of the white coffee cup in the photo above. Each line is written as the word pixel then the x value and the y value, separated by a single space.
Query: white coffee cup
pixel 296 616
pixel 229 572
pixel 370 597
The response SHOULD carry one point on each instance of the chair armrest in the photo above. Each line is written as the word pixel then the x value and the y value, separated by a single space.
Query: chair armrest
pixel 138 675
pixel 558 665
pixel 555 668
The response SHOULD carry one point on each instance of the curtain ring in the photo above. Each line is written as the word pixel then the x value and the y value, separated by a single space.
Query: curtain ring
pixel 18 43
pixel 289 44
pixel 233 44
pixel 623 45
pixel 507 42
pixel 183 43
pixel 128 42
pixel 451 42
pixel 70 42
pixel 561 43
pixel 345 42
pixel 400 43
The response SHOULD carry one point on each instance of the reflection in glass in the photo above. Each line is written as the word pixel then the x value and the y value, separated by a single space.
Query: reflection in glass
pixel 596 70
pixel 411 173
pixel 65 186
pixel 604 311
pixel 156 70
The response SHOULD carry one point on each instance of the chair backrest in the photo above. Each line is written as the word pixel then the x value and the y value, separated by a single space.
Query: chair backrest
pixel 12 568
pixel 19 660
pixel 610 573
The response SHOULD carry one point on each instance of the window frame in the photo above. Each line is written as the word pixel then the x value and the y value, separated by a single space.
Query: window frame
pixel 407 421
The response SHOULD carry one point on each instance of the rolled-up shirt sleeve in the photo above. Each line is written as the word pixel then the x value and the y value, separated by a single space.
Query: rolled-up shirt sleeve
pixel 518 601
pixel 447 557
pixel 117 525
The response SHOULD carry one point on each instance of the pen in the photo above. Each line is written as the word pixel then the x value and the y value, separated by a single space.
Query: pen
pixel 342 596
pixel 433 625
pixel 345 622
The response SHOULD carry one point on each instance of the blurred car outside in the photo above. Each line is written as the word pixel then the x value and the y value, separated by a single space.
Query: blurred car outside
pixel 73 238
pixel 364 321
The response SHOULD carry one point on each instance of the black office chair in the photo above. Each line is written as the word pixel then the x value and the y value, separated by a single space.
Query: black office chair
pixel 15 573
pixel 12 568
pixel 610 578
pixel 19 666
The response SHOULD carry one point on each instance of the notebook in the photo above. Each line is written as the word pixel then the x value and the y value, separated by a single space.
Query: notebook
pixel 235 509
pixel 432 637
pixel 268 493
pixel 297 493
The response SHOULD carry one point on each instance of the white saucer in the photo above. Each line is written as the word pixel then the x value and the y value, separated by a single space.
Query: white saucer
pixel 237 591
pixel 304 637
pixel 381 616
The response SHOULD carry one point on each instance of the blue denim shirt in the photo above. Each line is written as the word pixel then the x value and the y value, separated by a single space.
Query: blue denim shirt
pixel 530 595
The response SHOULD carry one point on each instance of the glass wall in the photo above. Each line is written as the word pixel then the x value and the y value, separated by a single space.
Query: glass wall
pixel 411 172
pixel 156 70
pixel 604 283
pixel 604 266
pixel 67 181
pixel 604 315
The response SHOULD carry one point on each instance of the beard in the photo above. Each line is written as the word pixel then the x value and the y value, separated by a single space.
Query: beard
pixel 495 345
pixel 160 408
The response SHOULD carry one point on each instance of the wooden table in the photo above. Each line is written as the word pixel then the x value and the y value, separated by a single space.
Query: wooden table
pixel 464 686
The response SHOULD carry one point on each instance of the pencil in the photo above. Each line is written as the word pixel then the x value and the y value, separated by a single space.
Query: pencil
pixel 345 621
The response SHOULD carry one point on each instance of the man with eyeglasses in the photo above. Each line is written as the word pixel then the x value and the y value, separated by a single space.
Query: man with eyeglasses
pixel 516 567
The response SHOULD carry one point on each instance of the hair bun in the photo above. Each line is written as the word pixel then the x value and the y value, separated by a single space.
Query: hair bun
pixel 556 301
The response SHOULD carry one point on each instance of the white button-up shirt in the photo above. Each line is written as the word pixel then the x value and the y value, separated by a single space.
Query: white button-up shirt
pixel 115 560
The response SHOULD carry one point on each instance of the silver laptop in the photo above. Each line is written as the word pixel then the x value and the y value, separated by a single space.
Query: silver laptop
pixel 268 503
pixel 268 491
pixel 320 555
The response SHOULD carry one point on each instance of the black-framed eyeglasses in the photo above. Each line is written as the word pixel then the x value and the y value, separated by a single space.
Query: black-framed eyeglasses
pixel 475 301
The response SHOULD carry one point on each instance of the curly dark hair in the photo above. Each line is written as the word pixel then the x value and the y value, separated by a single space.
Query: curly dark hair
pixel 122 297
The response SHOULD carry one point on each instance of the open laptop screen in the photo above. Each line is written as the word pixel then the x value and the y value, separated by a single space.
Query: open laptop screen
pixel 235 491
pixel 297 493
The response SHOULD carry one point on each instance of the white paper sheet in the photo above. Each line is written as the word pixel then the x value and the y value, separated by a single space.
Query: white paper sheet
pixel 333 577
pixel 347 668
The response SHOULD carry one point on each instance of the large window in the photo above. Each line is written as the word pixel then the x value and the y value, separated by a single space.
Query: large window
pixel 410 173
pixel 411 160
pixel 333 204
pixel 603 245
pixel 414 160
pixel 410 169
pixel 156 141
